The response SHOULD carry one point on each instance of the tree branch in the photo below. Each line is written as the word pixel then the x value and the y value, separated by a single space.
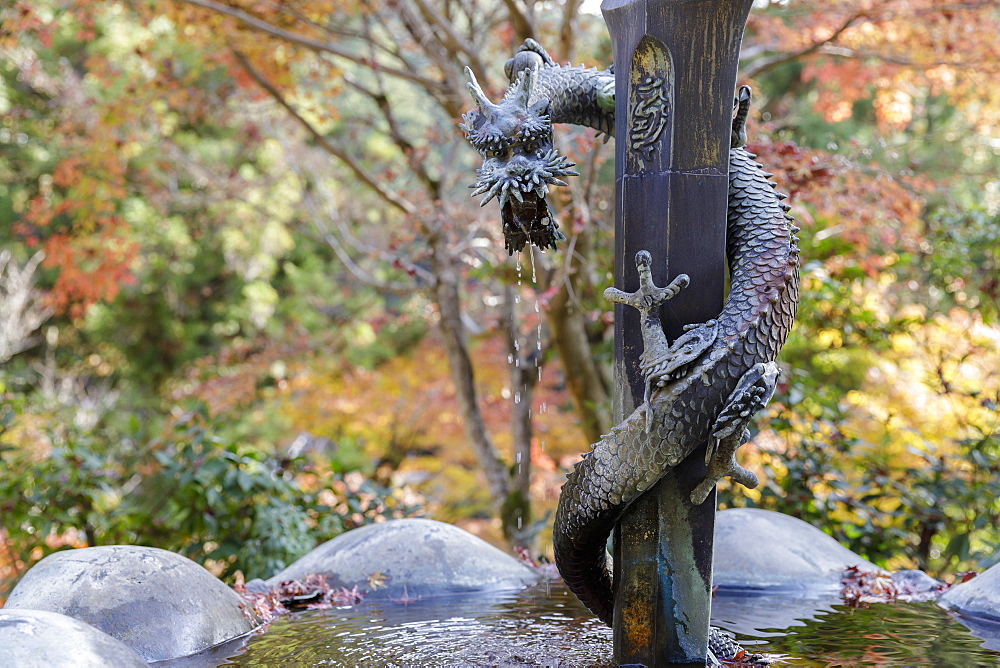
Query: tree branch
pixel 524 27
pixel 348 160
pixel 316 45
pixel 445 33
pixel 345 258
pixel 752 71
pixel 566 28
pixel 846 52
pixel 404 145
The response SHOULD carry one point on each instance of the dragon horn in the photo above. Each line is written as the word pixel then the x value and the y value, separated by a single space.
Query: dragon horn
pixel 522 87
pixel 483 102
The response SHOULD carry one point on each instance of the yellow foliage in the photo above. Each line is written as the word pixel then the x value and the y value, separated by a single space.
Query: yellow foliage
pixel 926 391
pixel 936 386
pixel 830 338
pixel 404 412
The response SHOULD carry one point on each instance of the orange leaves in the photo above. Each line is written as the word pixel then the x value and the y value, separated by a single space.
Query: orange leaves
pixel 97 139
pixel 223 27
pixel 840 85
pixel 796 169
pixel 873 215
pixel 67 172
pixel 888 50
pixel 15 20
pixel 87 239
pixel 91 269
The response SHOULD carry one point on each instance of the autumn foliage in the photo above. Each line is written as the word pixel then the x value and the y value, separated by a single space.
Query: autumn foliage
pixel 260 207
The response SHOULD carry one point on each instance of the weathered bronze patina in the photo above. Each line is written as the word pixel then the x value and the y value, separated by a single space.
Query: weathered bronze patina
pixel 694 368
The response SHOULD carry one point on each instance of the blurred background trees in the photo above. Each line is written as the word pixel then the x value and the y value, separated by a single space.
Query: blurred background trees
pixel 247 302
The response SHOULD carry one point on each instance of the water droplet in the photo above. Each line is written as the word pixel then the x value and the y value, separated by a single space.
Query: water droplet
pixel 517 397
pixel 510 359
pixel 517 298
pixel 534 275
pixel 518 458
pixel 518 521
pixel 544 407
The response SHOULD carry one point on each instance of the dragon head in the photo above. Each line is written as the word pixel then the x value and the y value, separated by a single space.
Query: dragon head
pixel 519 161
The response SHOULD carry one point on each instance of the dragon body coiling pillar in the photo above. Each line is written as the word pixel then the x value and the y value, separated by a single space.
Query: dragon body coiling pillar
pixel 675 69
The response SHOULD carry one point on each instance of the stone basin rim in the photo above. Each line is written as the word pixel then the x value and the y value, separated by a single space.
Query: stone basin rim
pixel 386 594
pixel 235 640
pixel 803 591
pixel 984 618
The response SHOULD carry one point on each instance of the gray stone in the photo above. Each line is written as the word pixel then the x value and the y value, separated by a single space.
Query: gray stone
pixel 976 605
pixel 415 557
pixel 42 639
pixel 160 604
pixel 979 597
pixel 761 550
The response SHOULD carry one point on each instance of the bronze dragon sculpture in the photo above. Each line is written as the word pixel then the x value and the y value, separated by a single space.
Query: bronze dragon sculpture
pixel 703 387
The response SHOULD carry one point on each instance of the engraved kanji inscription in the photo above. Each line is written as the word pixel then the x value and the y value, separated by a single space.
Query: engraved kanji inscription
pixel 650 116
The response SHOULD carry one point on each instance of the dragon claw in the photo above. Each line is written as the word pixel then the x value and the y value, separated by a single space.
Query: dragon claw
pixel 730 431
pixel 649 295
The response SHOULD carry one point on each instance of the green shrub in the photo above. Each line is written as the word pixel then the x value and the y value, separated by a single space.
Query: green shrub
pixel 225 505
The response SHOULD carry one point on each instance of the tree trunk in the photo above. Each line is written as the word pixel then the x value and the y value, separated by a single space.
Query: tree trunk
pixel 568 330
pixel 446 295
pixel 523 378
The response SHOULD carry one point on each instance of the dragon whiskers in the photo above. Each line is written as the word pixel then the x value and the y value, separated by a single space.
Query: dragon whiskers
pixel 512 179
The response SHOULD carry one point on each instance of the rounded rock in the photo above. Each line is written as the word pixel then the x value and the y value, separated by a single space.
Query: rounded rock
pixel 979 597
pixel 160 604
pixel 411 558
pixel 42 639
pixel 976 604
pixel 761 550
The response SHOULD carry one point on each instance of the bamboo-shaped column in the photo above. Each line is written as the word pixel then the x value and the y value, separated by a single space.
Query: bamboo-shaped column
pixel 675 68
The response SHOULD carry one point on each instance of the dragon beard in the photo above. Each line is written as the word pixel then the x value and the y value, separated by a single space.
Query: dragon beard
pixel 521 185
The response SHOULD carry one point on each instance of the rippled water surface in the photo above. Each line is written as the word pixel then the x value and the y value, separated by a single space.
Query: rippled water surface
pixel 545 625
pixel 540 625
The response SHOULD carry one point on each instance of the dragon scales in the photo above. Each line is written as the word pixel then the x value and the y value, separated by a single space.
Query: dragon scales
pixel 703 387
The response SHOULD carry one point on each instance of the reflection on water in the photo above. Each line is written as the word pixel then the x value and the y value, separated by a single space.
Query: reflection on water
pixel 900 634
pixel 545 625
pixel 757 615
pixel 542 625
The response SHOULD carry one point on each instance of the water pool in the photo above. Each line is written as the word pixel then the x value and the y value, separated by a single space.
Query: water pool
pixel 545 625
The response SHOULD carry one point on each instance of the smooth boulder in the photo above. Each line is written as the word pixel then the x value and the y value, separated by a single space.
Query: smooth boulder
pixel 977 605
pixel 160 604
pixel 979 597
pixel 761 550
pixel 42 639
pixel 411 558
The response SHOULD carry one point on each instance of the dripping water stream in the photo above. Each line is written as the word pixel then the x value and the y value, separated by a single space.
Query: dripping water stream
pixel 525 352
